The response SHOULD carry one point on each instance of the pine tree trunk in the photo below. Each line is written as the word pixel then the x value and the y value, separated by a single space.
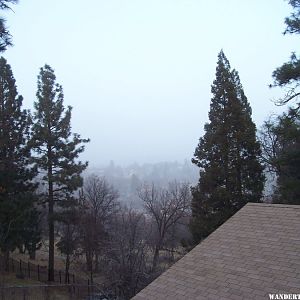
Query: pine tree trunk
pixel 67 269
pixel 88 260
pixel 50 220
pixel 6 261
pixel 155 258
pixel 51 242
pixel 32 255
pixel 92 276
pixel 96 262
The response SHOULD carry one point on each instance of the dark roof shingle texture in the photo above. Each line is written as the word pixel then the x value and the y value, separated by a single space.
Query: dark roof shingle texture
pixel 254 253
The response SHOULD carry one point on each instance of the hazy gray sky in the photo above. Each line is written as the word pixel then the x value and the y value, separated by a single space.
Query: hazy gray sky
pixel 138 73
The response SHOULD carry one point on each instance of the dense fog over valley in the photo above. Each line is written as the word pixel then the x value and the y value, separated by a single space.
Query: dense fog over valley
pixel 136 132
pixel 138 74
pixel 129 179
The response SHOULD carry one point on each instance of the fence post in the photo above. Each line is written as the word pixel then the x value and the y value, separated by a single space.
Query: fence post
pixel 28 266
pixel 88 287
pixel 59 276
pixel 20 266
pixel 73 278
pixel 12 265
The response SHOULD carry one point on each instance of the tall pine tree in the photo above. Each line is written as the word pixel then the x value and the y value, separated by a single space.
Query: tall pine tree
pixel 283 134
pixel 288 74
pixel 16 173
pixel 227 155
pixel 57 149
pixel 5 37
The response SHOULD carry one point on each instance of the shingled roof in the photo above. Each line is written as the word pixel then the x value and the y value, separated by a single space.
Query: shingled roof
pixel 254 254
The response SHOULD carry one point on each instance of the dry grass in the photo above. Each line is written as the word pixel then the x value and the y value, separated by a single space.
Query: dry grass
pixel 14 288
pixel 77 267
pixel 42 257
pixel 11 280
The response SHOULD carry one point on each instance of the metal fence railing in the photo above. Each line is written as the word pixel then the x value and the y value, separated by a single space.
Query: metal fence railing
pixel 38 272
pixel 50 292
pixel 65 286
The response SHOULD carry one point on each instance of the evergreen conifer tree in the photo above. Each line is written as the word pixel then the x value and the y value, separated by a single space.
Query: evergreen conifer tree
pixel 16 173
pixel 57 149
pixel 288 74
pixel 288 158
pixel 5 37
pixel 281 153
pixel 227 155
pixel 70 233
pixel 284 133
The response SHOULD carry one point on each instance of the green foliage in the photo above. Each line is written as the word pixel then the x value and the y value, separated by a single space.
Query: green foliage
pixel 288 75
pixel 4 4
pixel 16 173
pixel 56 146
pixel 281 137
pixel 57 150
pixel 227 155
pixel 5 37
pixel 68 244
pixel 31 232
pixel 281 151
pixel 293 22
pixel 70 219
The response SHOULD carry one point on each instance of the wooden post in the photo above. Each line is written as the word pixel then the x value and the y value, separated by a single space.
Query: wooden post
pixel 20 265
pixel 73 278
pixel 28 266
pixel 88 287
pixel 59 276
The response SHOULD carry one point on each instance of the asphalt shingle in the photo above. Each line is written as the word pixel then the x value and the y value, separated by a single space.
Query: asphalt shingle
pixel 255 253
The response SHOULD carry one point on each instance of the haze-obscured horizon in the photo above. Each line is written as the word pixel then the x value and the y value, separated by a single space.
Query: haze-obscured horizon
pixel 138 73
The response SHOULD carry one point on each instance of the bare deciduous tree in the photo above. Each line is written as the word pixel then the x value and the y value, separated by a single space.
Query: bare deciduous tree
pixel 100 200
pixel 270 143
pixel 100 197
pixel 166 207
pixel 126 255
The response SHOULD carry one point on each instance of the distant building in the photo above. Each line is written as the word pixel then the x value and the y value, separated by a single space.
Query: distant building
pixel 254 255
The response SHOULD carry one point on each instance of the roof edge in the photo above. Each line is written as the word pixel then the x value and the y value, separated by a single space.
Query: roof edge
pixel 274 205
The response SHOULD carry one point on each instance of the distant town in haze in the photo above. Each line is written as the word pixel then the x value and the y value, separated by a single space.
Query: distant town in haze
pixel 128 179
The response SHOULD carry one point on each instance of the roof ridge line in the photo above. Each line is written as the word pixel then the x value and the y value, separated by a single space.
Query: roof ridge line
pixel 277 205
